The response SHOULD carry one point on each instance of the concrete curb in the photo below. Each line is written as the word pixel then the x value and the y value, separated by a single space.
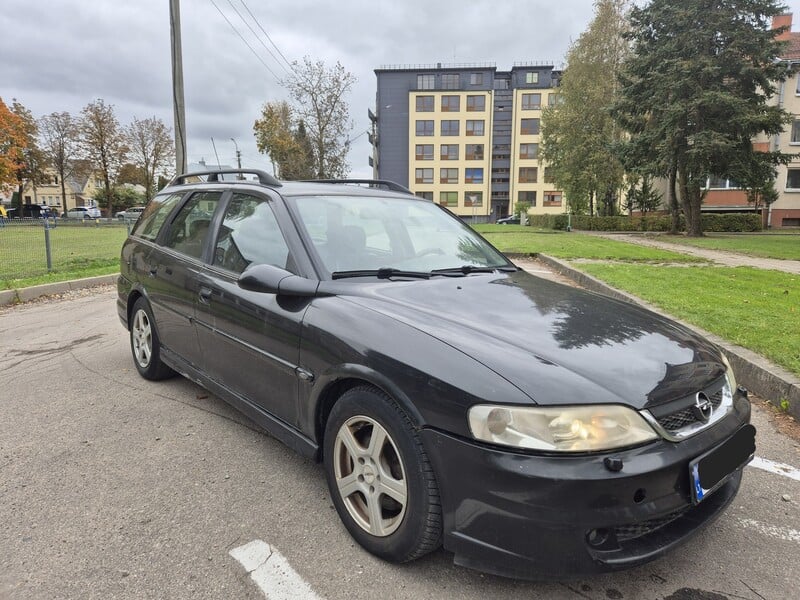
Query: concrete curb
pixel 753 371
pixel 48 289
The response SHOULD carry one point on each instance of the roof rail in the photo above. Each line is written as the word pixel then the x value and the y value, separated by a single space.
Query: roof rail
pixel 390 185
pixel 264 178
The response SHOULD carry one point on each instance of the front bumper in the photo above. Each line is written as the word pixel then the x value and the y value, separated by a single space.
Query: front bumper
pixel 532 517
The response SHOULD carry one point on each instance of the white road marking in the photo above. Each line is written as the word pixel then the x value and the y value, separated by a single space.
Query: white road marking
pixel 272 573
pixel 776 467
pixel 782 533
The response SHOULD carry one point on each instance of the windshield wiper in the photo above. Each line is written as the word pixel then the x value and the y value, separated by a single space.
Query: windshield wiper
pixel 382 273
pixel 467 269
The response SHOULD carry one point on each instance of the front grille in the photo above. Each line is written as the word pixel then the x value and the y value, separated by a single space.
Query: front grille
pixel 635 530
pixel 685 416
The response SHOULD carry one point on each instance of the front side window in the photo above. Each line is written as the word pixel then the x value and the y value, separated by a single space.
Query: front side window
pixel 450 81
pixel 475 127
pixel 449 152
pixel 476 103
pixel 425 104
pixel 451 103
pixel 449 127
pixel 425 82
pixel 530 127
pixel 424 127
pixel 250 236
pixel 154 215
pixel 190 227
pixel 448 175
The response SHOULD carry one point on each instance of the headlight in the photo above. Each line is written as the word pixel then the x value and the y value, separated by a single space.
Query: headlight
pixel 560 429
pixel 729 374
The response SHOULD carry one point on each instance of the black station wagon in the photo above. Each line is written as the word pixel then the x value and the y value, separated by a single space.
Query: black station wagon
pixel 533 429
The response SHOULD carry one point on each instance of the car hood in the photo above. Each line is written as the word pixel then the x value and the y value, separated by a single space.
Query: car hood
pixel 557 344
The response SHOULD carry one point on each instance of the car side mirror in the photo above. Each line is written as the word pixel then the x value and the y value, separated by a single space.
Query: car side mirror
pixel 269 279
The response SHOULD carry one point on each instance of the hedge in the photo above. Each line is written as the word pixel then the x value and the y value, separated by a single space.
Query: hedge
pixel 710 222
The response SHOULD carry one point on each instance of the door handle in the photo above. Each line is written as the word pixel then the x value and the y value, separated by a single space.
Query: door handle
pixel 205 295
pixel 153 271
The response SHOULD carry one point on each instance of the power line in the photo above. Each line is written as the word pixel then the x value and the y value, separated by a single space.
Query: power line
pixel 266 66
pixel 247 8
pixel 253 31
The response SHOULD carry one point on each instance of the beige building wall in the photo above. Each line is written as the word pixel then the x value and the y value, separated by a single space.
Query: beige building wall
pixel 453 182
pixel 785 212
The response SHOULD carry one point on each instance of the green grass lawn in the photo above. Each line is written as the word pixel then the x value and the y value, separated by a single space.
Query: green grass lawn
pixel 76 250
pixel 786 247
pixel 524 240
pixel 754 308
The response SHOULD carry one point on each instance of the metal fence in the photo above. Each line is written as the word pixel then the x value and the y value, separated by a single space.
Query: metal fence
pixel 33 247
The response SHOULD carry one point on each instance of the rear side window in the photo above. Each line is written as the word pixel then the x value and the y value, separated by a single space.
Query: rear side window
pixel 250 236
pixel 154 215
pixel 191 226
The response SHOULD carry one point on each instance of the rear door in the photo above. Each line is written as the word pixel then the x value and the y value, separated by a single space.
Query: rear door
pixel 251 340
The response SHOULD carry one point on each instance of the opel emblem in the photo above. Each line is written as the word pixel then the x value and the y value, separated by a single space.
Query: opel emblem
pixel 702 407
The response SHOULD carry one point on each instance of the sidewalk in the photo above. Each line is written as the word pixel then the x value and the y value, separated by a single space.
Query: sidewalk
pixel 729 259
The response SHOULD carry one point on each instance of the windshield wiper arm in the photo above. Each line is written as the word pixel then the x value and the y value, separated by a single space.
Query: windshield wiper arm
pixel 382 273
pixel 467 269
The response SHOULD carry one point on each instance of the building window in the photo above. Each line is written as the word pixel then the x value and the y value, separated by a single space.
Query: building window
pixel 424 152
pixel 449 152
pixel 552 199
pixel 423 175
pixel 449 127
pixel 448 198
pixel 476 103
pixel 476 78
pixel 448 175
pixel 425 82
pixel 473 175
pixel 425 195
pixel 530 127
pixel 474 152
pixel 793 179
pixel 548 175
pixel 720 183
pixel 473 198
pixel 425 104
pixel 528 174
pixel 532 77
pixel 424 127
pixel 795 132
pixel 451 103
pixel 451 81
pixel 554 99
pixel 475 127
pixel 531 101
pixel 529 151
pixel 527 196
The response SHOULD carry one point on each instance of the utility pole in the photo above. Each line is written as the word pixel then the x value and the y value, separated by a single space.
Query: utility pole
pixel 177 87
pixel 238 157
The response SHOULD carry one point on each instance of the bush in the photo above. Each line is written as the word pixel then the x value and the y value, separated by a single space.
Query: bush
pixel 711 222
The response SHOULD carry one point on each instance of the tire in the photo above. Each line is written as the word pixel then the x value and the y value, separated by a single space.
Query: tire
pixel 145 345
pixel 386 495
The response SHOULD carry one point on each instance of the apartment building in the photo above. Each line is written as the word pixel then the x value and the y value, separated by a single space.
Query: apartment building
pixel 466 136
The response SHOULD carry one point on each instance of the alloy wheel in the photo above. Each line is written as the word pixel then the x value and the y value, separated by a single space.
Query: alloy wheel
pixel 142 338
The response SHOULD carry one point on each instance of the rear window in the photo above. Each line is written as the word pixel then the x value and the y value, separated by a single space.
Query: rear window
pixel 154 215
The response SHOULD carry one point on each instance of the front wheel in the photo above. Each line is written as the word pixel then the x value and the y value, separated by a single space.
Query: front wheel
pixel 145 345
pixel 379 477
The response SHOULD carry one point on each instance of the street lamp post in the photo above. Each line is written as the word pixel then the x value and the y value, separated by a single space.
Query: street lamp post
pixel 238 156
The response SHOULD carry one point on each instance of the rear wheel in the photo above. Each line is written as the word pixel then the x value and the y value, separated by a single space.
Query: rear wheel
pixel 145 345
pixel 379 477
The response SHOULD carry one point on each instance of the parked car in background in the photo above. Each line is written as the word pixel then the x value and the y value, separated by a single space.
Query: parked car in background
pixel 534 429
pixel 509 220
pixel 83 212
pixel 129 214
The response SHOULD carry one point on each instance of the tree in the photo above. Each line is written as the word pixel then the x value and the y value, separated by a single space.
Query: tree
pixel 122 196
pixel 695 90
pixel 59 136
pixel 32 160
pixel 13 142
pixel 103 142
pixel 320 104
pixel 276 135
pixel 642 196
pixel 578 131
pixel 151 148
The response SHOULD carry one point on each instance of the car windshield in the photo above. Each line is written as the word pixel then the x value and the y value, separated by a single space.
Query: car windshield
pixel 353 234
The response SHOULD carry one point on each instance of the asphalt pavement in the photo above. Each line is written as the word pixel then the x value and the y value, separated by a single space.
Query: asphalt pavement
pixel 115 487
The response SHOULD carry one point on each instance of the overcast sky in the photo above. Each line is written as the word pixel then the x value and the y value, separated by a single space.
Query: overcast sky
pixel 59 55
